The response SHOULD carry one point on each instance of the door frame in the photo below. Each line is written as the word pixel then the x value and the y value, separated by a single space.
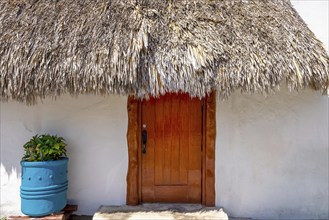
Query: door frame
pixel 134 178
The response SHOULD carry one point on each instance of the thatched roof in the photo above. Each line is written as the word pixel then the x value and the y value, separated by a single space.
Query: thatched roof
pixel 141 48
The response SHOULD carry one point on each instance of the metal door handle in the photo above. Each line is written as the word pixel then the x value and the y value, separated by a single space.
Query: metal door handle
pixel 144 139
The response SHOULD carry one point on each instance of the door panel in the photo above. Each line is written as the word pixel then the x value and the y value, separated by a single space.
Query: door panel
pixel 148 159
pixel 171 166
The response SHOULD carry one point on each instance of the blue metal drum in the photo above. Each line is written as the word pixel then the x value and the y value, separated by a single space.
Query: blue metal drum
pixel 44 187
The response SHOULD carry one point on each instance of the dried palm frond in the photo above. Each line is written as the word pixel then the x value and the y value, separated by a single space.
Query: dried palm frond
pixel 147 48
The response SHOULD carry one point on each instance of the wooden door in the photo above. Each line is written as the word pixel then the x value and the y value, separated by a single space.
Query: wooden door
pixel 171 166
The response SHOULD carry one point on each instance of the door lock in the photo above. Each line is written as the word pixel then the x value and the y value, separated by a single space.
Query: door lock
pixel 144 139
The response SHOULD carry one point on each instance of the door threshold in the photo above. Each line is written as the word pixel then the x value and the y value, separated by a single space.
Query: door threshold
pixel 180 207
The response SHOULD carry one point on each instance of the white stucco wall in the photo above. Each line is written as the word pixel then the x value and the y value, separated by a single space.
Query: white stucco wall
pixel 271 153
pixel 272 156
pixel 95 129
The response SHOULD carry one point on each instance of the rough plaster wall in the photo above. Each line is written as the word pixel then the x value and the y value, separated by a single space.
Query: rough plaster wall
pixel 95 130
pixel 272 156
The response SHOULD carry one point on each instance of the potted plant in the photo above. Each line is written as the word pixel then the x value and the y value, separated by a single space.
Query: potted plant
pixel 44 175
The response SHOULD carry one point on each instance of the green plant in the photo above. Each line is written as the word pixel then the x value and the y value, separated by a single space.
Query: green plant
pixel 44 147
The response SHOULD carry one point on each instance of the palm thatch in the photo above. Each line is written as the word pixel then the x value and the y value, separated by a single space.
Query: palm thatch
pixel 143 48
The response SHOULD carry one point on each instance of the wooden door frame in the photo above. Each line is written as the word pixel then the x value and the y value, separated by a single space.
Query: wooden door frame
pixel 134 192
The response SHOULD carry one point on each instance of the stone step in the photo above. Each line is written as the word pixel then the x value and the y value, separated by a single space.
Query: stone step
pixel 156 211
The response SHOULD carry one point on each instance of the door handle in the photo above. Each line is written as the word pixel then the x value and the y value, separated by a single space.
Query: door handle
pixel 144 139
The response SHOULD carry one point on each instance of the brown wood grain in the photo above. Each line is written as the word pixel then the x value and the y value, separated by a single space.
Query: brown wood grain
pixel 175 144
pixel 180 176
pixel 195 150
pixel 133 165
pixel 177 140
pixel 148 158
pixel 184 139
pixel 159 151
pixel 210 135
pixel 171 194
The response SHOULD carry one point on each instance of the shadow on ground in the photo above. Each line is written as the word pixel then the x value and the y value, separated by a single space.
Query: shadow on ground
pixel 85 217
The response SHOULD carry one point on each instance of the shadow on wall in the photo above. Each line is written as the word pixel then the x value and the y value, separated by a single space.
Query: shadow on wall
pixel 18 124
pixel 10 164
pixel 94 128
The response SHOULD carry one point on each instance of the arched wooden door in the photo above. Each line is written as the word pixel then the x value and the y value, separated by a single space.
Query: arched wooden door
pixel 171 169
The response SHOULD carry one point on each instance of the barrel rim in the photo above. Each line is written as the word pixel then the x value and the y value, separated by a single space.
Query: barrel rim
pixel 63 160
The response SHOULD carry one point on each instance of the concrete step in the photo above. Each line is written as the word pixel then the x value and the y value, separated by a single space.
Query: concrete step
pixel 156 211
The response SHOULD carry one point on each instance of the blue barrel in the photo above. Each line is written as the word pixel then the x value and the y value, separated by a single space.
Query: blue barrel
pixel 44 187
